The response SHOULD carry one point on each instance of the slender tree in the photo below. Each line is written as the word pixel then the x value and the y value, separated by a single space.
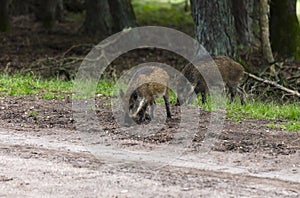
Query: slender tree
pixel 104 17
pixel 98 19
pixel 122 14
pixel 4 18
pixel 285 28
pixel 48 12
pixel 264 12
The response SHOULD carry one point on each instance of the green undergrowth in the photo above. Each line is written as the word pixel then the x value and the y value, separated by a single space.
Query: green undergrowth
pixel 22 85
pixel 281 116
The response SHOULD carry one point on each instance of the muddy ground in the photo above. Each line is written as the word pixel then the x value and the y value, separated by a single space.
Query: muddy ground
pixel 42 154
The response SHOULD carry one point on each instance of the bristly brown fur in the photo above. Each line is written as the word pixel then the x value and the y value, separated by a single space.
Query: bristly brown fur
pixel 231 72
pixel 146 85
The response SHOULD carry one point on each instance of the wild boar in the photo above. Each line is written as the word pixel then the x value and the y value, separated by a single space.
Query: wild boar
pixel 146 85
pixel 231 72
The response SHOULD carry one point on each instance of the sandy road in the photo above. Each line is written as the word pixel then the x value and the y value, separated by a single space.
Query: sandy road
pixel 53 163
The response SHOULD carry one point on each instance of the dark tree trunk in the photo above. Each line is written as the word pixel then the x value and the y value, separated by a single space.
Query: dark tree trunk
pixel 122 14
pixel 246 19
pixel 4 17
pixel 21 7
pixel 98 19
pixel 214 26
pixel 285 28
pixel 243 28
pixel 59 13
pixel 104 17
pixel 74 5
pixel 48 11
pixel 243 22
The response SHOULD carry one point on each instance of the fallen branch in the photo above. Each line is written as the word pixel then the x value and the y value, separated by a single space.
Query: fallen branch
pixel 290 91
pixel 89 46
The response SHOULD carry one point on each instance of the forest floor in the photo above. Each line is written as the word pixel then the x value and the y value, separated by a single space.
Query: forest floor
pixel 42 153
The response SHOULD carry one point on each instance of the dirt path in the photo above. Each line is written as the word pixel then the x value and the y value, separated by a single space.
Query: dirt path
pixel 53 163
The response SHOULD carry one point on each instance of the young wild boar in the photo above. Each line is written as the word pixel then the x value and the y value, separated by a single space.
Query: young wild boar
pixel 231 72
pixel 146 85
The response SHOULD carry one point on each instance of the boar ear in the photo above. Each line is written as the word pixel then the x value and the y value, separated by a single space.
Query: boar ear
pixel 121 93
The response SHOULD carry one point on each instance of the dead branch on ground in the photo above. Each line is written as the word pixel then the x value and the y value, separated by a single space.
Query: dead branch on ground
pixel 290 91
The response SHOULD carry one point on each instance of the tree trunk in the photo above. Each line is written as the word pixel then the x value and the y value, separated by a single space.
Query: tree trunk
pixel 98 19
pixel 104 17
pixel 122 14
pixel 264 29
pixel 59 14
pixel 214 26
pixel 4 18
pixel 285 28
pixel 246 24
pixel 22 7
pixel 48 11
pixel 242 28
pixel 74 5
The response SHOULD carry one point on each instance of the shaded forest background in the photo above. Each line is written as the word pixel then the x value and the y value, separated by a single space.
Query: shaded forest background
pixel 50 38
pixel 55 45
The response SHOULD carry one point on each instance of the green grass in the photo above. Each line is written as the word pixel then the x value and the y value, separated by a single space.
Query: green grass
pixel 261 110
pixel 281 116
pixel 290 126
pixel 288 114
pixel 105 87
pixel 162 13
pixel 22 85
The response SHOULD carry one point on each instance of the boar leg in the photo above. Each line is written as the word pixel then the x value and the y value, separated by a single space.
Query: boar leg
pixel 200 88
pixel 232 91
pixel 203 97
pixel 151 109
pixel 127 120
pixel 167 103
pixel 143 114
pixel 177 103
pixel 242 95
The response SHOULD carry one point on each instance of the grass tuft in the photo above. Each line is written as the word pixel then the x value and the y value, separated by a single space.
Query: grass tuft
pixel 22 85
pixel 288 114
